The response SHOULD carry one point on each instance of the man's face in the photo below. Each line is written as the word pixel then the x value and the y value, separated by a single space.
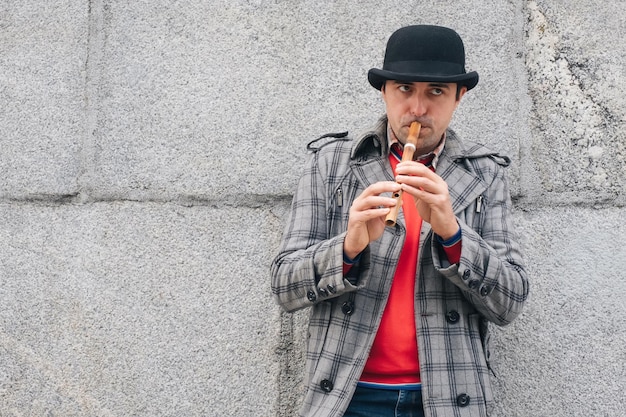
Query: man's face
pixel 431 104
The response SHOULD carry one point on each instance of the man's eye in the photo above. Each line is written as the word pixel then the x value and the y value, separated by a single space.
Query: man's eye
pixel 436 91
pixel 404 88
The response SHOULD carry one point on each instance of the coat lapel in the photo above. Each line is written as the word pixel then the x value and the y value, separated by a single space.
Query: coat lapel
pixel 369 157
pixel 464 186
pixel 372 170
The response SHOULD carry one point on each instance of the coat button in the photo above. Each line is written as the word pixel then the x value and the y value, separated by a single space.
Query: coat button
pixel 347 308
pixel 466 274
pixel 311 295
pixel 485 290
pixel 331 288
pixel 323 292
pixel 463 400
pixel 473 284
pixel 452 316
pixel 326 385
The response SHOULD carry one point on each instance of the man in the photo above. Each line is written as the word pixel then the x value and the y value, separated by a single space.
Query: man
pixel 399 320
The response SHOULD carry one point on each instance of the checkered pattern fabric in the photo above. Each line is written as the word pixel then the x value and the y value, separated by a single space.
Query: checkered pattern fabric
pixel 454 303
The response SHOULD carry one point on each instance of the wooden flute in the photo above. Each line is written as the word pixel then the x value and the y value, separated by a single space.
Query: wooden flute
pixel 407 155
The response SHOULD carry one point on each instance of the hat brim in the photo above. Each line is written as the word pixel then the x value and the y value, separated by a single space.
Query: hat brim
pixel 377 78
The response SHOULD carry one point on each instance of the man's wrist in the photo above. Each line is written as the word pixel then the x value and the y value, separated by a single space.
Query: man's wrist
pixel 349 250
pixel 351 260
pixel 452 240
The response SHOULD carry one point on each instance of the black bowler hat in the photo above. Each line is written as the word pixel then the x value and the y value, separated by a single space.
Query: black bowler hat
pixel 424 53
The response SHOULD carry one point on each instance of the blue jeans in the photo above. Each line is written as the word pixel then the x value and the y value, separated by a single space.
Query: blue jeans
pixel 371 402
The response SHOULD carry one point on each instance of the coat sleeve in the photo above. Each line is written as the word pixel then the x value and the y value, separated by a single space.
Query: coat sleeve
pixel 491 272
pixel 309 266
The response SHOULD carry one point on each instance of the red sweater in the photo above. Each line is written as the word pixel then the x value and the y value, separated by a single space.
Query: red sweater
pixel 394 356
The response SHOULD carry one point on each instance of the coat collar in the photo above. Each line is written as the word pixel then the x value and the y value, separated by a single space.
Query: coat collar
pixel 457 163
pixel 372 141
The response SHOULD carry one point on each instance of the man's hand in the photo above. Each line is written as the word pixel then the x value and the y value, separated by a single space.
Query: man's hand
pixel 366 221
pixel 431 196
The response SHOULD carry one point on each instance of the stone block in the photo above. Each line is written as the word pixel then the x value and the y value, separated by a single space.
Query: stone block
pixel 43 50
pixel 137 309
pixel 565 354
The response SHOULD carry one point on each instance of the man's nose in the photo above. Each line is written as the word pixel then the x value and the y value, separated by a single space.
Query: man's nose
pixel 417 106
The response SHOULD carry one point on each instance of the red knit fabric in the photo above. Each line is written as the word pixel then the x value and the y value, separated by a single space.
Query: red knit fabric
pixel 393 358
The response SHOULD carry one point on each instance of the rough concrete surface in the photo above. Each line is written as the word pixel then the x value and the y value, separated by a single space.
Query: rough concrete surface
pixel 148 154
pixel 136 309
pixel 565 355
pixel 43 53
pixel 575 62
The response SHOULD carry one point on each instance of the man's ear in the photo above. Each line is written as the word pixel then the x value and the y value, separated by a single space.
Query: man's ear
pixel 382 91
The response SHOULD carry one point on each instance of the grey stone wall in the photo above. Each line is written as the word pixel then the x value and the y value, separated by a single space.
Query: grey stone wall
pixel 149 151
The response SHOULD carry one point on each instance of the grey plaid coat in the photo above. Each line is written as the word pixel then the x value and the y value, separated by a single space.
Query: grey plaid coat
pixel 453 303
